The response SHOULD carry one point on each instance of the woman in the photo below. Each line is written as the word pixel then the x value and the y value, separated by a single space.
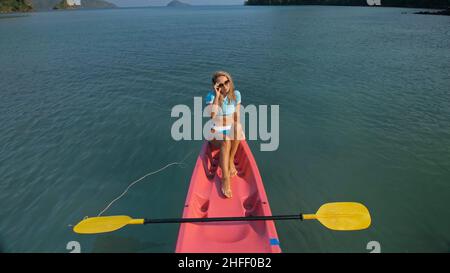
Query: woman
pixel 225 104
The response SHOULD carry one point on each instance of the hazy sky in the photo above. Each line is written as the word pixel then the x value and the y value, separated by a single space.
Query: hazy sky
pixel 134 3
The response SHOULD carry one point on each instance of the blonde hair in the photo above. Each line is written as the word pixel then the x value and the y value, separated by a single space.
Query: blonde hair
pixel 231 95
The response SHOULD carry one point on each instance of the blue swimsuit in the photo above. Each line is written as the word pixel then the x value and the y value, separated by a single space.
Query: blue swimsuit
pixel 227 108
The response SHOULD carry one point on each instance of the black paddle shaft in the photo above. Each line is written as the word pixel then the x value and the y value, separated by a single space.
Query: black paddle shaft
pixel 222 219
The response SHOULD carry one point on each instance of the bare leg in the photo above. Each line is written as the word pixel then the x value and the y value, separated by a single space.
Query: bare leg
pixel 237 137
pixel 234 146
pixel 224 165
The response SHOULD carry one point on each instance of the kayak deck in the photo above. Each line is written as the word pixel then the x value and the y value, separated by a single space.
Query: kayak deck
pixel 205 199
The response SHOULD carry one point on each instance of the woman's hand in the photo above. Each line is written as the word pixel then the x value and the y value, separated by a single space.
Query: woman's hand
pixel 217 91
pixel 218 99
pixel 214 108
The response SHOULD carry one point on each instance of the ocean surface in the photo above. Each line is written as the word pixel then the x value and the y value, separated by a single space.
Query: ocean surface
pixel 86 96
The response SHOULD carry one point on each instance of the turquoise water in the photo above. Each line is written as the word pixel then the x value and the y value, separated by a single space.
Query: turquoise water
pixel 364 116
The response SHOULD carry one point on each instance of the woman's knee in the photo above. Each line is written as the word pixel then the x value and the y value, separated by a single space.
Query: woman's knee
pixel 238 131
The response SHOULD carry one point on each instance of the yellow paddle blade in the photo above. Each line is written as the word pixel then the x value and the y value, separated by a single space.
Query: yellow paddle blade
pixel 344 216
pixel 104 224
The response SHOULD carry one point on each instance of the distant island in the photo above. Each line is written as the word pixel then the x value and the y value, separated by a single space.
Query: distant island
pixel 176 3
pixel 7 6
pixel 431 4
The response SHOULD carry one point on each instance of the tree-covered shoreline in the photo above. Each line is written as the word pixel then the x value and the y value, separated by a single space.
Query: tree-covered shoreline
pixel 432 4
pixel 7 6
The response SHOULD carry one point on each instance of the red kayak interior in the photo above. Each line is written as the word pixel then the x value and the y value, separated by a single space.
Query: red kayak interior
pixel 205 199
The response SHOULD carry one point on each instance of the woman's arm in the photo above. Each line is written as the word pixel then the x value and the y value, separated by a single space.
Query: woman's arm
pixel 215 103
pixel 237 113
pixel 236 121
pixel 215 107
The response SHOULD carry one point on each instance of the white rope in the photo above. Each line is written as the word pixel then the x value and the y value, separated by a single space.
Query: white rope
pixel 133 183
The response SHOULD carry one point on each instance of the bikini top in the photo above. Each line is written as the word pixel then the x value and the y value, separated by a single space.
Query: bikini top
pixel 228 107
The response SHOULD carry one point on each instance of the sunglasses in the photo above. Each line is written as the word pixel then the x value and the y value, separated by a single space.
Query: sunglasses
pixel 220 85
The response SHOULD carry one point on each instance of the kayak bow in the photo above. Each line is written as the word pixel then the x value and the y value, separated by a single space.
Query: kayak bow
pixel 205 200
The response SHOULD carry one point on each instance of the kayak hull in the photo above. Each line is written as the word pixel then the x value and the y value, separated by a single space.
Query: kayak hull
pixel 205 200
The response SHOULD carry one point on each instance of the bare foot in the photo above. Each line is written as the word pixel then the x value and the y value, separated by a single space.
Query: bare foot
pixel 226 188
pixel 233 170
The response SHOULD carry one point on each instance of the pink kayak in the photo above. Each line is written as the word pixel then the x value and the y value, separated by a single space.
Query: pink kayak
pixel 205 200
